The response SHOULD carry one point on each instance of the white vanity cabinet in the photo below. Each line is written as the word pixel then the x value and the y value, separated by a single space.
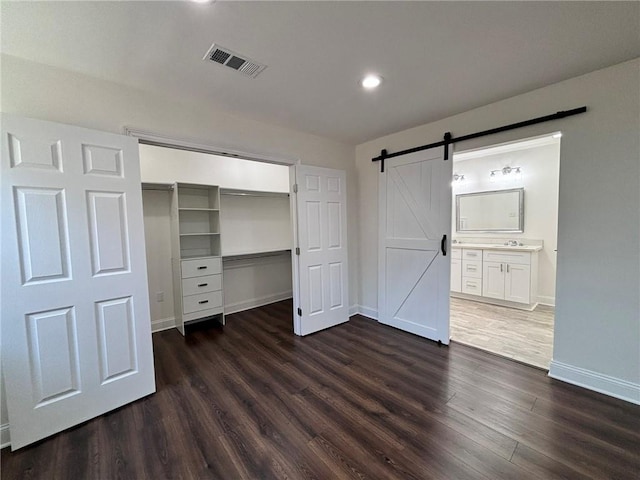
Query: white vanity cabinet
pixel 456 270
pixel 505 276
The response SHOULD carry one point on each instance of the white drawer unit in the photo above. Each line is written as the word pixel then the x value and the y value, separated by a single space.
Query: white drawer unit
pixel 471 254
pixel 501 276
pixel 472 286
pixel 196 252
pixel 472 268
pixel 202 302
pixel 196 285
pixel 201 267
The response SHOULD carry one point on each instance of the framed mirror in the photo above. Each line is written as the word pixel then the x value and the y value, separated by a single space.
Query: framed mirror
pixel 494 211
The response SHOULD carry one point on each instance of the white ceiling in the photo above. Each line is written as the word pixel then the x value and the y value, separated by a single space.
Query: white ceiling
pixel 437 58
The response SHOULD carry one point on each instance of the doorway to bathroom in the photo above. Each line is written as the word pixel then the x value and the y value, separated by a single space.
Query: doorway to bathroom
pixel 504 248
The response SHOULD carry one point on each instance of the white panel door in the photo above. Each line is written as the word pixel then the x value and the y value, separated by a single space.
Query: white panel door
pixel 322 268
pixel 517 285
pixel 76 332
pixel 414 264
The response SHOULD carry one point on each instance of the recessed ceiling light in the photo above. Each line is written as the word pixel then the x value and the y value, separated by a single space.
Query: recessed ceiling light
pixel 371 81
pixel 557 135
pixel 203 1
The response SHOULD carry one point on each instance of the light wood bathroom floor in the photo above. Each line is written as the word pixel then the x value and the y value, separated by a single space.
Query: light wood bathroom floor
pixel 518 334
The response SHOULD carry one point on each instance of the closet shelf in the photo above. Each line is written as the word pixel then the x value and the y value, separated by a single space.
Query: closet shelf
pixel 186 209
pixel 199 234
pixel 195 257
pixel 255 253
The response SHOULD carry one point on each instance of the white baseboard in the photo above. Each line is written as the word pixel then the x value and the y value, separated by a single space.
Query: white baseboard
pixel 353 310
pixel 256 302
pixel 597 382
pixel 5 440
pixel 162 324
pixel 366 312
pixel 548 301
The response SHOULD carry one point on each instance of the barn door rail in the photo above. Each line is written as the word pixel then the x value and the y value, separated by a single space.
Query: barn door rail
pixel 449 139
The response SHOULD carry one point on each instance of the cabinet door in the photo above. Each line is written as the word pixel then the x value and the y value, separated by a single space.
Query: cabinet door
pixel 493 278
pixel 517 283
pixel 456 275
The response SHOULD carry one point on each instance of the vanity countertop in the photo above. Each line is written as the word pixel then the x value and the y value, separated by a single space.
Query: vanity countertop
pixel 489 246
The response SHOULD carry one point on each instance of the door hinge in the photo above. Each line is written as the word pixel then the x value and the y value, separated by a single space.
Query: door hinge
pixel 297 250
pixel 295 188
pixel 299 312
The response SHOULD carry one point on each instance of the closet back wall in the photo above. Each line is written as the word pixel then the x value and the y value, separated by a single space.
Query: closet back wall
pixel 248 281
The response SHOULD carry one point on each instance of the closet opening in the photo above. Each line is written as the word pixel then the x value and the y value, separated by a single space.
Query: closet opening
pixel 230 214
pixel 504 248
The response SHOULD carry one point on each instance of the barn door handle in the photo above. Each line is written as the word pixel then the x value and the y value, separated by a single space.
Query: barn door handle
pixel 443 245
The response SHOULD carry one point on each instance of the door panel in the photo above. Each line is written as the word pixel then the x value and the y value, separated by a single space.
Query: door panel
pixel 75 310
pixel 321 269
pixel 414 274
pixel 518 283
pixel 493 280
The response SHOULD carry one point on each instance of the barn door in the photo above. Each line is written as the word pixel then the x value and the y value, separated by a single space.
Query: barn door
pixel 76 336
pixel 320 268
pixel 414 236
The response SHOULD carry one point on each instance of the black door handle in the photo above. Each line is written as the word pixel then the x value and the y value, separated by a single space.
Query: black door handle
pixel 443 245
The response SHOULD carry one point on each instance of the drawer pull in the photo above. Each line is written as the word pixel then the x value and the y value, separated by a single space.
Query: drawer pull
pixel 203 301
pixel 472 269
pixel 202 267
pixel 203 284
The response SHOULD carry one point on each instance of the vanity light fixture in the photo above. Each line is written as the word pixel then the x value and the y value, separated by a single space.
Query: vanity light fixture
pixel 370 82
pixel 458 178
pixel 514 172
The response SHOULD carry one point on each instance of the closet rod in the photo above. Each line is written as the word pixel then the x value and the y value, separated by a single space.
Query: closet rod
pixel 448 139
pixel 243 194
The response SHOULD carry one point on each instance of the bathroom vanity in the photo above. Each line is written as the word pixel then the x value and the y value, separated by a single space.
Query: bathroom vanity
pixel 495 273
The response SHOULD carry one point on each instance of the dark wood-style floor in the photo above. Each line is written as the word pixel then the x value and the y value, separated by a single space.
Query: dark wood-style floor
pixel 359 400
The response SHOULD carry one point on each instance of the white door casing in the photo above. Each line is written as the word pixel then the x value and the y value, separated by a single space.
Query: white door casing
pixel 321 268
pixel 76 330
pixel 414 215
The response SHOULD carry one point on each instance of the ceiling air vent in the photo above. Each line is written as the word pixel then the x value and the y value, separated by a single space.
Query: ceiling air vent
pixel 231 59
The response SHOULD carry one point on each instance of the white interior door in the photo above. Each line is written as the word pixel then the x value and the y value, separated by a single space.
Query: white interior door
pixel 321 268
pixel 414 261
pixel 76 332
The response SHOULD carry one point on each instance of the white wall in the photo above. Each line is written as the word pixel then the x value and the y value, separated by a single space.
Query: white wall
pixel 39 91
pixel 540 171
pixel 597 329
pixel 157 233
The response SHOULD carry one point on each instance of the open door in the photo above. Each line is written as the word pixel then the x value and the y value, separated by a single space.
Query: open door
pixel 320 265
pixel 76 332
pixel 414 236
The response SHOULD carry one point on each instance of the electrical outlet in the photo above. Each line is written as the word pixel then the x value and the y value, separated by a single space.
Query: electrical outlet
pixel 159 296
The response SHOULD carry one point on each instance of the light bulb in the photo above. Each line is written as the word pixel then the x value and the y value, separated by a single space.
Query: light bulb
pixel 371 81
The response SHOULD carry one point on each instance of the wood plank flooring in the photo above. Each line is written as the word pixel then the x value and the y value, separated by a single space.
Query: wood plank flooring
pixel 360 400
pixel 518 334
